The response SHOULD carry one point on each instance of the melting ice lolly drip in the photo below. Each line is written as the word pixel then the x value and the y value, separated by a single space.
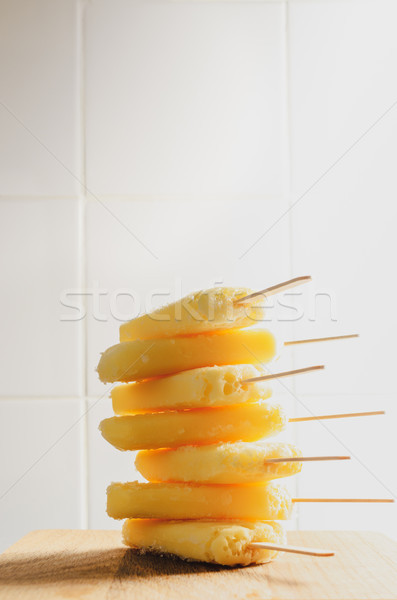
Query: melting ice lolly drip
pixel 214 309
pixel 134 361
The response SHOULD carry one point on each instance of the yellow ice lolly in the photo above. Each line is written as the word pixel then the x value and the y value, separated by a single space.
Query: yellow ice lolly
pixel 197 388
pixel 221 542
pixel 260 502
pixel 133 361
pixel 206 310
pixel 241 462
pixel 249 422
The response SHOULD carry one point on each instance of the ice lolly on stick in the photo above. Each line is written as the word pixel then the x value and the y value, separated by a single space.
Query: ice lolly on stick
pixel 196 388
pixel 133 361
pixel 135 500
pixel 207 310
pixel 248 422
pixel 228 463
pixel 221 542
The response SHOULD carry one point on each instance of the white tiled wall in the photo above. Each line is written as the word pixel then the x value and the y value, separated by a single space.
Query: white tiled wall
pixel 41 475
pixel 39 353
pixel 186 73
pixel 343 148
pixel 39 98
pixel 158 146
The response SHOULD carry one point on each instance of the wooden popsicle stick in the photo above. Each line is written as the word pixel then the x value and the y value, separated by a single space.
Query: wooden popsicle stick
pixel 324 339
pixel 283 374
pixel 383 500
pixel 337 416
pixel 305 459
pixel 293 549
pixel 275 289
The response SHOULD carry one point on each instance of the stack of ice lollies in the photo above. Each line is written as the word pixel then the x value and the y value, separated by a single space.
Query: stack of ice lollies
pixel 193 405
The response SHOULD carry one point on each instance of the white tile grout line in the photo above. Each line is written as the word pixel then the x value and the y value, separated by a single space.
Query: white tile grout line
pixel 80 69
pixel 288 191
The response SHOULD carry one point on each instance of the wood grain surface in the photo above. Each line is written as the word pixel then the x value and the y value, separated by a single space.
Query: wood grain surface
pixel 71 564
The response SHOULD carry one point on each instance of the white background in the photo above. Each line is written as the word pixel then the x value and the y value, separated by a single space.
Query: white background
pixel 238 142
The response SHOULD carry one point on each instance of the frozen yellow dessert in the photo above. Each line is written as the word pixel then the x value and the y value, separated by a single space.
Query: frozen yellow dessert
pixel 253 501
pixel 133 361
pixel 190 402
pixel 206 310
pixel 221 542
pixel 241 462
pixel 249 422
pixel 197 388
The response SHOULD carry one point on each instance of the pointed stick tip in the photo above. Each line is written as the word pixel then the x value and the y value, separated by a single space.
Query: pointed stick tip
pixel 293 549
pixel 321 339
pixel 304 459
pixel 370 500
pixel 336 416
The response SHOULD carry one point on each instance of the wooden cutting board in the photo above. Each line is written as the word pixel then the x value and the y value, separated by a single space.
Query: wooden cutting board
pixel 72 564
